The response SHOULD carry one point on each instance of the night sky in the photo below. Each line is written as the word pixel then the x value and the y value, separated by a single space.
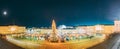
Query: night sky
pixel 37 13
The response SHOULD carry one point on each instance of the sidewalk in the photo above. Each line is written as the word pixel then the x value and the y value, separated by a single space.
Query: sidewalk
pixel 24 44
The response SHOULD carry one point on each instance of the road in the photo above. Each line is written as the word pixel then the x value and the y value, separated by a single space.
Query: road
pixel 111 43
pixel 7 45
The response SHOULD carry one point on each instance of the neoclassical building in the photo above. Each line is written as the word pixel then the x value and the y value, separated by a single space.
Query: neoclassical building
pixel 12 29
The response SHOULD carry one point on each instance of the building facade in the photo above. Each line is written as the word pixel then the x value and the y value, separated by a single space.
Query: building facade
pixel 12 29
pixel 117 26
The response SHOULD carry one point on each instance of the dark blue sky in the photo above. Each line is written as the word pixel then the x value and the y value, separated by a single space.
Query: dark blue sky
pixel 68 12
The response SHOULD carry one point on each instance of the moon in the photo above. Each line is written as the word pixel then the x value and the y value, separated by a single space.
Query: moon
pixel 5 13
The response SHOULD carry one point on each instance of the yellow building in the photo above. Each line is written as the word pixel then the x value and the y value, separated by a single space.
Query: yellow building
pixel 105 29
pixel 12 29
pixel 85 29
pixel 108 29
